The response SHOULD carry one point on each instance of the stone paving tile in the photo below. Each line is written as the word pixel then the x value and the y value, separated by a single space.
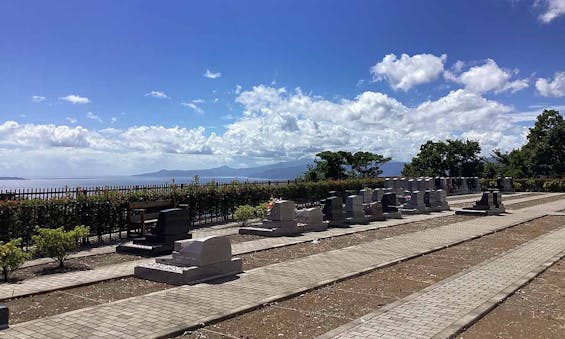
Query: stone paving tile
pixel 66 280
pixel 445 307
pixel 165 312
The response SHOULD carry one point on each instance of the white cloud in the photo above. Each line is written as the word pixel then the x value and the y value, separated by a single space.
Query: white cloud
pixel 71 120
pixel 157 94
pixel 113 120
pixel 212 75
pixel 488 77
pixel 193 106
pixel 198 101
pixel 552 9
pixel 552 88
pixel 93 116
pixel 75 99
pixel 38 98
pixel 408 71
pixel 276 125
pixel 237 89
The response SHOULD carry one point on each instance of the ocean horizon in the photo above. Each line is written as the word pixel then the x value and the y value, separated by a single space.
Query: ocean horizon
pixel 44 183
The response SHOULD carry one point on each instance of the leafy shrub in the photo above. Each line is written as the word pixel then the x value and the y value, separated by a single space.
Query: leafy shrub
pixel 261 210
pixel 58 243
pixel 243 213
pixel 11 257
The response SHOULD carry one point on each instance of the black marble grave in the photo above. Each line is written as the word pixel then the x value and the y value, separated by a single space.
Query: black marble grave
pixel 172 225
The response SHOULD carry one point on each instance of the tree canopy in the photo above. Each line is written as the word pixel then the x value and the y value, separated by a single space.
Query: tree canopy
pixel 446 158
pixel 542 156
pixel 341 165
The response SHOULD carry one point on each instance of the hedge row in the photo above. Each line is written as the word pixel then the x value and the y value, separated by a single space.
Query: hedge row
pixel 106 212
pixel 531 185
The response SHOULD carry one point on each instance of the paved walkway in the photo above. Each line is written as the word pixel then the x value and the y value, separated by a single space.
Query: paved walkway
pixel 72 279
pixel 54 282
pixel 443 309
pixel 177 309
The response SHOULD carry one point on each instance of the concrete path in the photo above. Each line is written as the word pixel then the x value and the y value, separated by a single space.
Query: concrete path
pixel 54 282
pixel 445 308
pixel 174 310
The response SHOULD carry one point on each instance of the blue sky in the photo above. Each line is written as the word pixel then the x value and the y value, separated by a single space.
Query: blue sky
pixel 122 87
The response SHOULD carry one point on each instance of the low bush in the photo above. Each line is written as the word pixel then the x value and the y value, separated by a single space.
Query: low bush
pixel 11 257
pixel 243 213
pixel 58 243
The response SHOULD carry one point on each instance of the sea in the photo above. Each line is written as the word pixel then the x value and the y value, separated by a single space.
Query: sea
pixel 44 183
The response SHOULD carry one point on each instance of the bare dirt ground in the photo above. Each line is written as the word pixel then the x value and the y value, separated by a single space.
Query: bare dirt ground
pixel 74 264
pixel 63 301
pixel 316 312
pixel 535 311
pixel 29 308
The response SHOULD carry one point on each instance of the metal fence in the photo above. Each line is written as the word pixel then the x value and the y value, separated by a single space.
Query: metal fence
pixel 74 192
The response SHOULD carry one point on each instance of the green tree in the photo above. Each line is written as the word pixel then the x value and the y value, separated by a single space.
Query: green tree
pixel 446 158
pixel 341 165
pixel 58 243
pixel 513 164
pixel 366 164
pixel 11 257
pixel 545 148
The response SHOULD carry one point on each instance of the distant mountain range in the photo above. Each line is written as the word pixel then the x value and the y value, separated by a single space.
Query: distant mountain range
pixel 11 178
pixel 281 170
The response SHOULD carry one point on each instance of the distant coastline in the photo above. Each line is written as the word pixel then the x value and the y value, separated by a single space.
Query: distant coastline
pixel 12 178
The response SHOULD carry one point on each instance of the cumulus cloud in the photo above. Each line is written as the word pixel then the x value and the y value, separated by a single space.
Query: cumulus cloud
pixel 75 99
pixel 487 77
pixel 276 124
pixel 408 71
pixel 157 94
pixel 552 9
pixel 38 98
pixel 237 89
pixel 71 120
pixel 552 88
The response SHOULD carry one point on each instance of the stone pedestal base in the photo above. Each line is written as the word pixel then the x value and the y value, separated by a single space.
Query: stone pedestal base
pixel 357 220
pixel 176 275
pixel 314 228
pixel 393 215
pixel 141 247
pixel 270 232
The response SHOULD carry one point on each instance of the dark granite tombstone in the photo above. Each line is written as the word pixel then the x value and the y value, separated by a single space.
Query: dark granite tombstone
pixel 333 211
pixel 390 206
pixel 389 202
pixel 172 225
pixel 4 316
pixel 490 203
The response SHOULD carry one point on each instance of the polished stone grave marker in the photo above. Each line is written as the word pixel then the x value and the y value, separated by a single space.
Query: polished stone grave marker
pixel 172 225
pixel 193 261
pixel 311 219
pixel 281 221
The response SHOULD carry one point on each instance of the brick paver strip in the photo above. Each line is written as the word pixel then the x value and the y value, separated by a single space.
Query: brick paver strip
pixel 445 308
pixel 54 282
pixel 169 312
